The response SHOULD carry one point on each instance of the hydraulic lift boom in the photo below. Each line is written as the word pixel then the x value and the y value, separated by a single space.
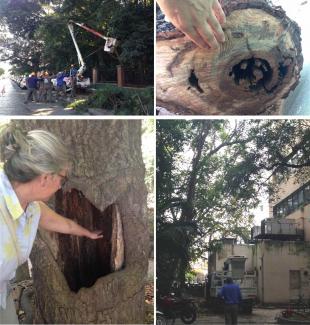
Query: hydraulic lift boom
pixel 110 44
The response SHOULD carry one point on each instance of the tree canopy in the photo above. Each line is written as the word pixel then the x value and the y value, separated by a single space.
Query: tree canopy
pixel 211 174
pixel 39 38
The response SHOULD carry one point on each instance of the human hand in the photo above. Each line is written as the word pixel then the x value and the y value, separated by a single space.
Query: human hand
pixel 200 20
pixel 96 234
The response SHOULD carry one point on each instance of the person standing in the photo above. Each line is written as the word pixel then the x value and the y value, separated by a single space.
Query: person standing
pixel 73 75
pixel 48 86
pixel 232 296
pixel 2 90
pixel 40 84
pixel 31 83
pixel 61 85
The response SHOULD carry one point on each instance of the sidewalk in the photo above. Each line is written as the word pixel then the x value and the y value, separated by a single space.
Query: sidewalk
pixel 57 108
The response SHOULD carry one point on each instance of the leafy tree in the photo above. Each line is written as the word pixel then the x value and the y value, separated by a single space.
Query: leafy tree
pixel 2 71
pixel 209 176
pixel 41 39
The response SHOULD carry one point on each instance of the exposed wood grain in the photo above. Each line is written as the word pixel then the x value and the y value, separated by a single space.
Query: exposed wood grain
pixel 257 66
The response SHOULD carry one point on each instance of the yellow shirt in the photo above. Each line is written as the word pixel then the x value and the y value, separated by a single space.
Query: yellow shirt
pixel 18 230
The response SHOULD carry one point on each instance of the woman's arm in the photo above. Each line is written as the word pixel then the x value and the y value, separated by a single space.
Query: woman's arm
pixel 52 221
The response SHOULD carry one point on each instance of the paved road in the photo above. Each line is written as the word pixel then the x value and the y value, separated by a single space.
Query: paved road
pixel 12 101
pixel 259 316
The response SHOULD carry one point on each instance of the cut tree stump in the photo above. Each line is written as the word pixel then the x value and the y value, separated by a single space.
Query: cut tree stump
pixel 250 74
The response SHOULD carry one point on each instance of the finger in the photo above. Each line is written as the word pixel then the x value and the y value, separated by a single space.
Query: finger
pixel 219 13
pixel 217 29
pixel 207 35
pixel 194 36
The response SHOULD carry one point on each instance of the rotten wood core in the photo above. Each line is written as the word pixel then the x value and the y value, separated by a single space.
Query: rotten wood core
pixel 84 260
pixel 257 66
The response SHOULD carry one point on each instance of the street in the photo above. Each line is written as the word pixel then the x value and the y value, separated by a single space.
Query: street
pixel 12 103
pixel 259 316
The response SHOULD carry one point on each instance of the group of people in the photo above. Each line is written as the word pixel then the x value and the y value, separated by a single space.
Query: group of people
pixel 40 86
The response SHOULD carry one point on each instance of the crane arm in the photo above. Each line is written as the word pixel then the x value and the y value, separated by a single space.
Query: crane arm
pixel 111 43
pixel 79 55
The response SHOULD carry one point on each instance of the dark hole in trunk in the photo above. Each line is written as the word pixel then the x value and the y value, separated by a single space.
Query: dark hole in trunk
pixel 253 73
pixel 194 81
pixel 84 260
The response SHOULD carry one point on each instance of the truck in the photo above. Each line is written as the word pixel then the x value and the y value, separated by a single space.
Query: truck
pixel 234 267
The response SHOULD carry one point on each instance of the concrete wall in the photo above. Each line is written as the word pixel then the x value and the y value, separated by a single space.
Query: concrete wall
pixel 303 217
pixel 273 261
pixel 285 189
pixel 216 262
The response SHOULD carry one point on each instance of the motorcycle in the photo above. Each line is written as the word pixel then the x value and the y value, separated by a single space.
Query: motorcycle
pixel 160 318
pixel 176 307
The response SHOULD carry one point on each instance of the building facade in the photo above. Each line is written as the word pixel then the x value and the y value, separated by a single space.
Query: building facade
pixel 279 253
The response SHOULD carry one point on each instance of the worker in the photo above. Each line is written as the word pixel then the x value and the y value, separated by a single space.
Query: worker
pixel 232 296
pixel 48 87
pixel 31 83
pixel 200 20
pixel 40 86
pixel 73 79
pixel 34 166
pixel 60 85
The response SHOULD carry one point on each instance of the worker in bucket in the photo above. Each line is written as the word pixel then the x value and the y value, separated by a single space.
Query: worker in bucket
pixel 34 166
pixel 200 20
pixel 232 297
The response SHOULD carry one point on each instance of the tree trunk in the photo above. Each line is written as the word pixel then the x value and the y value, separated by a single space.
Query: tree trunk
pixel 257 66
pixel 76 279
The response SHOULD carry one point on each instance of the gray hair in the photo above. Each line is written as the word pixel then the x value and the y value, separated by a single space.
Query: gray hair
pixel 28 155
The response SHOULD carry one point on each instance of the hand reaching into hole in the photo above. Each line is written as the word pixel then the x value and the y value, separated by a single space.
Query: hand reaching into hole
pixel 200 20
pixel 96 234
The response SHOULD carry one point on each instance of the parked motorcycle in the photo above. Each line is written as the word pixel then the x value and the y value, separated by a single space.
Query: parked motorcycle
pixel 160 318
pixel 176 307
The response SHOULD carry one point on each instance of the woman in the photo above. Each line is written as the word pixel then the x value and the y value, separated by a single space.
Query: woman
pixel 34 166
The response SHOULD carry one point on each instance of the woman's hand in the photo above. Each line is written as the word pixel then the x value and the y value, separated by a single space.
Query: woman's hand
pixel 52 221
pixel 97 234
pixel 200 20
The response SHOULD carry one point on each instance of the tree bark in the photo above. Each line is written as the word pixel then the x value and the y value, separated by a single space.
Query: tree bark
pixel 75 279
pixel 257 66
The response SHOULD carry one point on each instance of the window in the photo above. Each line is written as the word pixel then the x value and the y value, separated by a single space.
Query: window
pixel 292 202
pixel 307 193
pixel 295 201
pixel 300 197
pixel 295 279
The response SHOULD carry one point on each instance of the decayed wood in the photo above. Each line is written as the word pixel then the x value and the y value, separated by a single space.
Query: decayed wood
pixel 117 241
pixel 257 66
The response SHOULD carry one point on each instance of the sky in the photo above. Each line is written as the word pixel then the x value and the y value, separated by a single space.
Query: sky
pixel 5 66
